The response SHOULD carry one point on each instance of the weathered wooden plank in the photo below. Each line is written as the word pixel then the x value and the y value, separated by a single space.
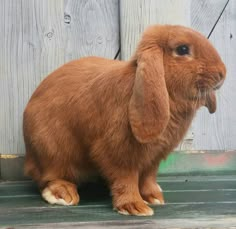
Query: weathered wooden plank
pixel 36 38
pixel 136 15
pixel 98 213
pixel 204 14
pixel 31 47
pixel 172 197
pixel 218 131
pixel 211 132
pixel 20 189
pixel 196 223
pixel 92 28
pixel 200 199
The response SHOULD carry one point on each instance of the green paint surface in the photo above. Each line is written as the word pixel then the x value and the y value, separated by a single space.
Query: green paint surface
pixel 199 162
pixel 187 197
pixel 177 163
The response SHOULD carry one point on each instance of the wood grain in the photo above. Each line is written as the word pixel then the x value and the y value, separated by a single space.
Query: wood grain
pixel 31 47
pixel 208 222
pixel 218 131
pixel 191 202
pixel 92 28
pixel 37 36
pixel 208 132
pixel 204 14
pixel 136 15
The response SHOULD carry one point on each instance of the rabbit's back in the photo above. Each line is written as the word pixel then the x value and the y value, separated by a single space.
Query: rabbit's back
pixel 81 86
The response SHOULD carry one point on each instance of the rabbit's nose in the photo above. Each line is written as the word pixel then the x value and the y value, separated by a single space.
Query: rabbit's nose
pixel 222 72
pixel 219 84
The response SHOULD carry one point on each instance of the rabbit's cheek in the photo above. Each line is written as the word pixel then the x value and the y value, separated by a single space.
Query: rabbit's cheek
pixel 202 84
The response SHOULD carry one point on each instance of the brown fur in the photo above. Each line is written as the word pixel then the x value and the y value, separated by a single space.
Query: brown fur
pixel 119 119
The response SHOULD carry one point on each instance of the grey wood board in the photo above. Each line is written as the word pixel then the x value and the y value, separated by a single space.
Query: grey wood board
pixel 204 14
pixel 208 132
pixel 136 15
pixel 37 36
pixel 32 46
pixel 92 28
pixel 218 131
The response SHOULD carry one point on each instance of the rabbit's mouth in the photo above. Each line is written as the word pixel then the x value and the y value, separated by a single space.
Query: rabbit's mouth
pixel 207 93
pixel 218 85
pixel 205 98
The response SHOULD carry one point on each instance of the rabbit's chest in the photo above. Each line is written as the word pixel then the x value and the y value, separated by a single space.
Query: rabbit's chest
pixel 173 134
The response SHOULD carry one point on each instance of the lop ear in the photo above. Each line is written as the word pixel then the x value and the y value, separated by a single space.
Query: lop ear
pixel 149 103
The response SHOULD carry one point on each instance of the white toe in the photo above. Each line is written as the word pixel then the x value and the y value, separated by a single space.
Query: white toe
pixel 145 202
pixel 50 198
pixel 124 212
pixel 157 202
pixel 149 213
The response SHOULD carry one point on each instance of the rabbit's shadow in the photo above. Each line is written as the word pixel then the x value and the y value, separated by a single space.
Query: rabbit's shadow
pixel 94 192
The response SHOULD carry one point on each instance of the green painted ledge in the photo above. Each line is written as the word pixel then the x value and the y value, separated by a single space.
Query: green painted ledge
pixel 177 163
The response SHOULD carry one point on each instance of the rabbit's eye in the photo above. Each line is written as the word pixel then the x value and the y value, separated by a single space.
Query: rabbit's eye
pixel 182 50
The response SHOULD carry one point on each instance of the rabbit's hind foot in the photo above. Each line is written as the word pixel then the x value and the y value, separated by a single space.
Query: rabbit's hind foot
pixel 61 192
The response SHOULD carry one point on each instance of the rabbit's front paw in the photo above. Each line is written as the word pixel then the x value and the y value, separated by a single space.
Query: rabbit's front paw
pixel 135 208
pixel 61 192
pixel 152 194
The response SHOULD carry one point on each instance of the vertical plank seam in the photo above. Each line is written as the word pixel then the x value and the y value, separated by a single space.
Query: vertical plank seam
pixel 213 28
pixel 117 53
pixel 119 34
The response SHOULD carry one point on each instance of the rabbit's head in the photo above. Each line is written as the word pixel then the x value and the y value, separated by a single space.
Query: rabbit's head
pixel 177 63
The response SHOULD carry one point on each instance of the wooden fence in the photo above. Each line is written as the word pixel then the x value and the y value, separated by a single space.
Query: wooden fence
pixel 37 36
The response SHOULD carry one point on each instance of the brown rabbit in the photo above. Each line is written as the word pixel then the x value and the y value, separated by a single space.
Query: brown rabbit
pixel 119 119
